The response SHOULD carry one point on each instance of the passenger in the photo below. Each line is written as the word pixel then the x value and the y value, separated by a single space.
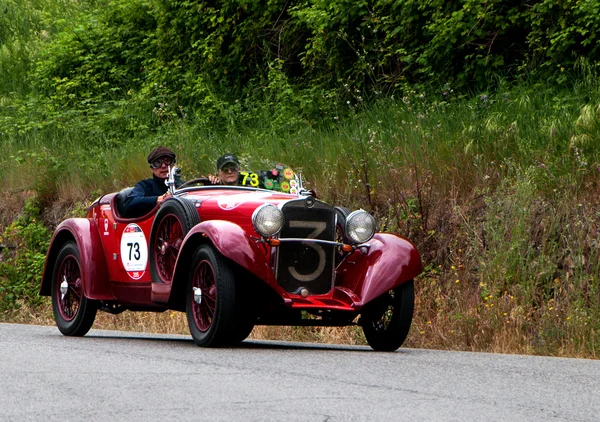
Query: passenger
pixel 149 193
pixel 228 171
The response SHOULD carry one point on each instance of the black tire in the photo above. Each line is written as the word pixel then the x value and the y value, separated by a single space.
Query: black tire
pixel 73 312
pixel 386 320
pixel 240 332
pixel 173 221
pixel 342 214
pixel 211 320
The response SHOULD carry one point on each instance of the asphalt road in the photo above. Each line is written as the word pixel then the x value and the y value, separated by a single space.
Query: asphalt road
pixel 118 376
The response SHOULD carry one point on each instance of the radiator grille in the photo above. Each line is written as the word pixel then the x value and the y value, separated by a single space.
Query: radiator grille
pixel 303 264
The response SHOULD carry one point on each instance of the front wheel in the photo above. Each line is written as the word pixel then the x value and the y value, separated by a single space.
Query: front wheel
pixel 386 321
pixel 73 312
pixel 241 332
pixel 210 299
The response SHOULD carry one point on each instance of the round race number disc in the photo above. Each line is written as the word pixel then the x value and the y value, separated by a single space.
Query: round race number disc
pixel 134 251
pixel 288 173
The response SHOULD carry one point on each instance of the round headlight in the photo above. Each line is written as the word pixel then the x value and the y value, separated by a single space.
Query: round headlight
pixel 360 226
pixel 267 220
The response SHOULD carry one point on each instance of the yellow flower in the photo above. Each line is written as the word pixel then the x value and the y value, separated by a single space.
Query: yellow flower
pixel 457 281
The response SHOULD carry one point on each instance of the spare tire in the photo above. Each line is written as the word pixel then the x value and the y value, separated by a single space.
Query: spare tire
pixel 173 221
pixel 341 214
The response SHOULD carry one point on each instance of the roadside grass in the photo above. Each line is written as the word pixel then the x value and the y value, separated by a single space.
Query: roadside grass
pixel 499 191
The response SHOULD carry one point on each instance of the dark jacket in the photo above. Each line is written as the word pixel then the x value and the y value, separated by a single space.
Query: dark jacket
pixel 144 195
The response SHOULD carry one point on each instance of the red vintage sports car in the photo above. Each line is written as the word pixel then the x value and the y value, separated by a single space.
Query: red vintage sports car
pixel 267 252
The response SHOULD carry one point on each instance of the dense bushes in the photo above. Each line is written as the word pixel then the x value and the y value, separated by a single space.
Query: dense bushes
pixel 26 240
pixel 214 59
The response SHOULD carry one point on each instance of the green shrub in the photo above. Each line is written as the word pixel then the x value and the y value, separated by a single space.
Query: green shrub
pixel 25 244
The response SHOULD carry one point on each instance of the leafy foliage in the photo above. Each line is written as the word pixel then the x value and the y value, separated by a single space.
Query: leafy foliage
pixel 129 66
pixel 24 244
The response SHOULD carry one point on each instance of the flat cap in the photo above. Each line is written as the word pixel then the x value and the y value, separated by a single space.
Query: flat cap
pixel 160 152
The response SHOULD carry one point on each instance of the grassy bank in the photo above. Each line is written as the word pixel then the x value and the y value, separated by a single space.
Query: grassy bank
pixel 498 190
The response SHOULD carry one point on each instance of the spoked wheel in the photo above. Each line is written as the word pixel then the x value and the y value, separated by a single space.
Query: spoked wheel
pixel 210 301
pixel 386 321
pixel 173 221
pixel 73 312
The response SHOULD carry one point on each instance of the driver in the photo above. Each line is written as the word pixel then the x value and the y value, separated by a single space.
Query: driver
pixel 148 193
pixel 228 171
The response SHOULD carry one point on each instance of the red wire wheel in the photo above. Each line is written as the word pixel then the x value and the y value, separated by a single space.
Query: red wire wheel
pixel 70 299
pixel 204 288
pixel 73 312
pixel 210 301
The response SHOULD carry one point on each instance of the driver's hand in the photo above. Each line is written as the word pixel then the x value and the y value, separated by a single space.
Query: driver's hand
pixel 214 179
pixel 163 198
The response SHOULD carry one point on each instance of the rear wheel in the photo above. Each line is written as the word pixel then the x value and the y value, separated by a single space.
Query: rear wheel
pixel 386 320
pixel 73 312
pixel 173 221
pixel 210 301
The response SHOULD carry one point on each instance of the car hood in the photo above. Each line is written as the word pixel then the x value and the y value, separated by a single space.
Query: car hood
pixel 233 204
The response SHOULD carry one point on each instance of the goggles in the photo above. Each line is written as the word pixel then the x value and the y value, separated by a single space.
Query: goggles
pixel 158 163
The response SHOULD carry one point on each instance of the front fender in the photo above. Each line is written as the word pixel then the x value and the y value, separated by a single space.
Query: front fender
pixel 232 242
pixel 94 272
pixel 390 261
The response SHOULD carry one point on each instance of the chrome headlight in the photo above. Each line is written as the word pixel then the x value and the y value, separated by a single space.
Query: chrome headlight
pixel 267 220
pixel 360 226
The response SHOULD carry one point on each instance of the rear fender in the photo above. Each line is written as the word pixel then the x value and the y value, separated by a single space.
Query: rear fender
pixel 390 261
pixel 94 271
pixel 232 242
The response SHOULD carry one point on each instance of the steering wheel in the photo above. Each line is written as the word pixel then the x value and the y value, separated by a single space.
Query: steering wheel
pixel 199 180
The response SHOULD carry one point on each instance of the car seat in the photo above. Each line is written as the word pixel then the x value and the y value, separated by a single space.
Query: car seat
pixel 120 202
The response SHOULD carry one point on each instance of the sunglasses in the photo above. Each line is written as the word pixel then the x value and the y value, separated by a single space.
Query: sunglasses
pixel 227 169
pixel 158 163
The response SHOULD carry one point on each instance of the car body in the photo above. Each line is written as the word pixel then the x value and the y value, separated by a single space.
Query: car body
pixel 233 257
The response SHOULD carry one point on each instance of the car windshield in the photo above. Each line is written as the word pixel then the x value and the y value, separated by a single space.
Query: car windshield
pixel 279 178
